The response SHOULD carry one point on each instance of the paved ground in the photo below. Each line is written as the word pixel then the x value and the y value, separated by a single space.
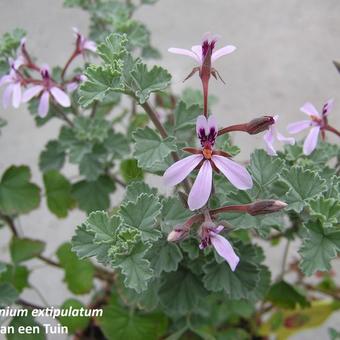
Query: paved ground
pixel 284 55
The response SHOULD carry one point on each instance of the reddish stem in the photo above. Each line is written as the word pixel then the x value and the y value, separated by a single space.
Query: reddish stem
pixel 237 127
pixel 205 84
pixel 332 129
pixel 69 61
pixel 231 208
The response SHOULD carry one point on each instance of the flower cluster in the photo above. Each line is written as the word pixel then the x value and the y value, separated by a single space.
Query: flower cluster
pixel 21 87
pixel 207 160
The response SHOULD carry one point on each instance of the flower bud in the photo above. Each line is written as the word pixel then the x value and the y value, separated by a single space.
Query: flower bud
pixel 258 125
pixel 177 234
pixel 265 207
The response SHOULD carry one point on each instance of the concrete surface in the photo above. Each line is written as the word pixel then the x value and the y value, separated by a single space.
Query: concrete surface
pixel 284 55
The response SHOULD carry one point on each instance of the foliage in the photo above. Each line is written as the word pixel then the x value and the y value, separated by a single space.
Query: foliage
pixel 124 127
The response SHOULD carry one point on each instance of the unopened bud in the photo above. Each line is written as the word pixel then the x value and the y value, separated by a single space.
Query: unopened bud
pixel 265 207
pixel 178 234
pixel 258 125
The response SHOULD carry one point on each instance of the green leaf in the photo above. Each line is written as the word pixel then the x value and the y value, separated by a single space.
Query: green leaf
pixel 58 193
pixel 73 323
pixel 190 246
pixel 149 52
pixel 103 226
pixel 224 143
pixel 151 150
pixel 283 294
pixel 9 44
pixel 117 145
pixel 181 292
pixel 94 195
pixel 25 322
pixel 173 213
pixel 264 169
pixel 195 97
pixel 303 185
pixel 147 82
pixel 185 116
pixel 164 257
pixel 23 249
pixel 84 246
pixel 238 284
pixel 8 294
pixel 137 33
pixel 142 215
pixel 135 267
pixel 119 323
pixel 327 210
pixel 134 189
pixel 78 273
pixel 17 194
pixel 90 167
pixel 130 171
pixel 100 81
pixel 52 158
pixel 16 276
pixel 148 300
pixel 113 48
pixel 318 248
pixel 93 129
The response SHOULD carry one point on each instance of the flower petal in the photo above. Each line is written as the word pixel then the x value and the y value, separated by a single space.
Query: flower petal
pixel 44 104
pixel 286 140
pixel 90 46
pixel 201 190
pixel 5 79
pixel 183 51
pixel 268 137
pixel 6 98
pixel 225 250
pixel 327 107
pixel 70 87
pixel 311 140
pixel 222 51
pixel 298 126
pixel 31 92
pixel 310 110
pixel 16 98
pixel 236 174
pixel 61 97
pixel 212 125
pixel 181 169
pixel 202 127
pixel 197 49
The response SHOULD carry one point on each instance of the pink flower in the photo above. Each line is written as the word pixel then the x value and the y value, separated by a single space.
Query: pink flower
pixel 210 236
pixel 206 160
pixel 205 56
pixel 272 134
pixel 45 90
pixel 317 122
pixel 83 44
pixel 74 84
pixel 13 80
pixel 199 52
